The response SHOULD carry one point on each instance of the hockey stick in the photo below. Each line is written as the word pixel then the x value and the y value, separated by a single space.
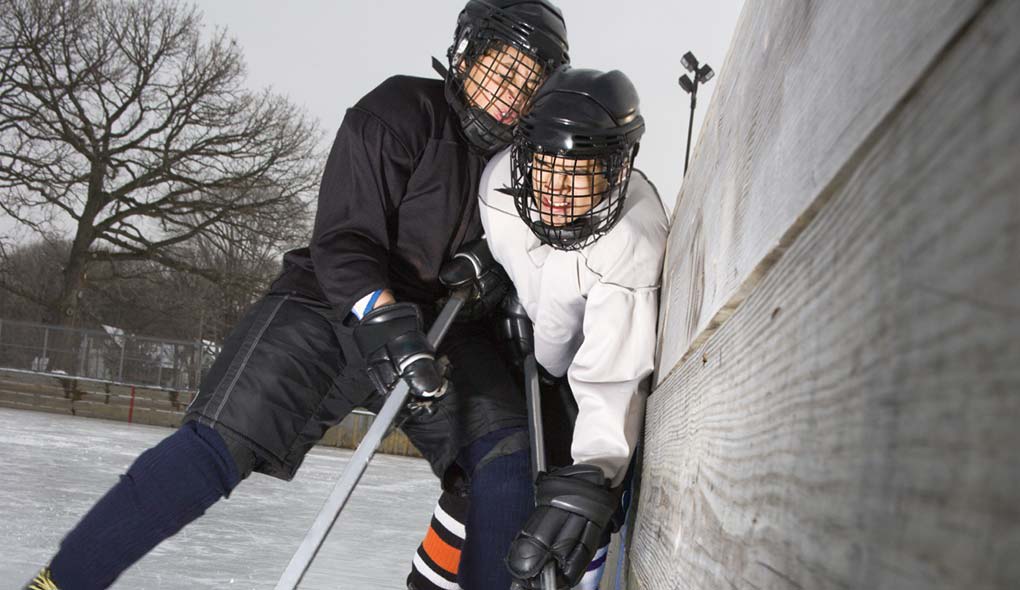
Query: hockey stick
pixel 534 399
pixel 355 468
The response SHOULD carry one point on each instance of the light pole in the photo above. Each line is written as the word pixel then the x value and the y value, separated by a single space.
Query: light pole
pixel 701 75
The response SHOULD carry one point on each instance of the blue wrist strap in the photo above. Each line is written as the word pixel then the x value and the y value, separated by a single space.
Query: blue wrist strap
pixel 366 304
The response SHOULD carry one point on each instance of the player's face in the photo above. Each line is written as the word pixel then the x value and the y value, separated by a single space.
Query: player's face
pixel 566 188
pixel 501 82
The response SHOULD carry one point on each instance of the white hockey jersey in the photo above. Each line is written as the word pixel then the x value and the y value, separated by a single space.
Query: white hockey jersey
pixel 594 310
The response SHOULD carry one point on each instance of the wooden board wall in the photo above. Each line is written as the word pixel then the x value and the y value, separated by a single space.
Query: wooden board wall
pixel 854 420
pixel 804 86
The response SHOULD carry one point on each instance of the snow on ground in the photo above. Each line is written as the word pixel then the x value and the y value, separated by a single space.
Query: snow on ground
pixel 53 468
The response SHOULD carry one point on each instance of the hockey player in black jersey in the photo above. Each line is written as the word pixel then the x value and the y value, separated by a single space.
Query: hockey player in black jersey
pixel 345 318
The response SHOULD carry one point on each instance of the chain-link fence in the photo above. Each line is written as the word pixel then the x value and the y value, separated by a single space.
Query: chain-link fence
pixel 108 355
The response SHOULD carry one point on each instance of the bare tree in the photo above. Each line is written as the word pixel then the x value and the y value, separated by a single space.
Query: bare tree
pixel 29 293
pixel 236 264
pixel 128 121
pixel 243 259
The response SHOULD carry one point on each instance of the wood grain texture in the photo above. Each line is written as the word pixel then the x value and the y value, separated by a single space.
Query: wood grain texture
pixel 804 87
pixel 855 423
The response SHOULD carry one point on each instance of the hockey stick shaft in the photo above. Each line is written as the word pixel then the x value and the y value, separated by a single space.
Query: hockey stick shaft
pixel 355 468
pixel 534 400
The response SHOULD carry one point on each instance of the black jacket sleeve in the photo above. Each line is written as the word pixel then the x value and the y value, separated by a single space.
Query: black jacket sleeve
pixel 362 186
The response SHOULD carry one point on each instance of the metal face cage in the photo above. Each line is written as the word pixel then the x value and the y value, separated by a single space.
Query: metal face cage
pixel 494 81
pixel 569 201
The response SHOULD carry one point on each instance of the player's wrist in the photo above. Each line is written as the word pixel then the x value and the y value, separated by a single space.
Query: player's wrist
pixel 374 300
pixel 385 298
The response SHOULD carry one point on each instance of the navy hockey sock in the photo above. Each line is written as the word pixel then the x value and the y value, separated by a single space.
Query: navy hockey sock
pixel 502 498
pixel 167 487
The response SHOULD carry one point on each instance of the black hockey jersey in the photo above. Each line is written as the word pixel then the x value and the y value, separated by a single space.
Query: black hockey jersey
pixel 398 198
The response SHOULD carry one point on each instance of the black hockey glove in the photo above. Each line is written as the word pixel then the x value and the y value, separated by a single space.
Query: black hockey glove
pixel 393 344
pixel 574 506
pixel 473 266
pixel 515 330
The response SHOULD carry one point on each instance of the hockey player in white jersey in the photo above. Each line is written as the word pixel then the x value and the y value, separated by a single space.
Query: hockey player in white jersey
pixel 582 235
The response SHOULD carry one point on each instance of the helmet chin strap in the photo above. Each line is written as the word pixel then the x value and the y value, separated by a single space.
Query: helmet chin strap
pixel 440 68
pixel 569 233
pixel 483 132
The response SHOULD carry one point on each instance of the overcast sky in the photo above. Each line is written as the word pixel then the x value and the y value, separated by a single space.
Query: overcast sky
pixel 326 54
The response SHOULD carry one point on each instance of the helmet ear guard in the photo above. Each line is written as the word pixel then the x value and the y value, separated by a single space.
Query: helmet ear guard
pixel 573 155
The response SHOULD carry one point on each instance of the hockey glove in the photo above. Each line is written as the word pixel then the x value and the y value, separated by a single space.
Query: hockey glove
pixel 473 266
pixel 394 346
pixel 516 333
pixel 574 506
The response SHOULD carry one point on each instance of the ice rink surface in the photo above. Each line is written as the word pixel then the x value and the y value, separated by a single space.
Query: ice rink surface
pixel 53 468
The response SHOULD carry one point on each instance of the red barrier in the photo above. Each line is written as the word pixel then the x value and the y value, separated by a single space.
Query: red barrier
pixel 131 408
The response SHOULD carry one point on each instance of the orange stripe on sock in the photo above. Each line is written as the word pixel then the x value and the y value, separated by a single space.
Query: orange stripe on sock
pixel 439 551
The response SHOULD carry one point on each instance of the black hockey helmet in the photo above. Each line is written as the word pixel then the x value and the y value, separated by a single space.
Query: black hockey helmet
pixel 502 51
pixel 573 154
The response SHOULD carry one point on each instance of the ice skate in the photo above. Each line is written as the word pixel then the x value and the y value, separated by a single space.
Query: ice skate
pixel 42 581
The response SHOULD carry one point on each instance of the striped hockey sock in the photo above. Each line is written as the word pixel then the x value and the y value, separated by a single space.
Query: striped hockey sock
pixel 437 560
pixel 593 575
pixel 438 557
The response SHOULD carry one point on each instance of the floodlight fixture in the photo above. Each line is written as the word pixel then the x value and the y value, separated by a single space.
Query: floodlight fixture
pixel 700 75
pixel 705 73
pixel 689 62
